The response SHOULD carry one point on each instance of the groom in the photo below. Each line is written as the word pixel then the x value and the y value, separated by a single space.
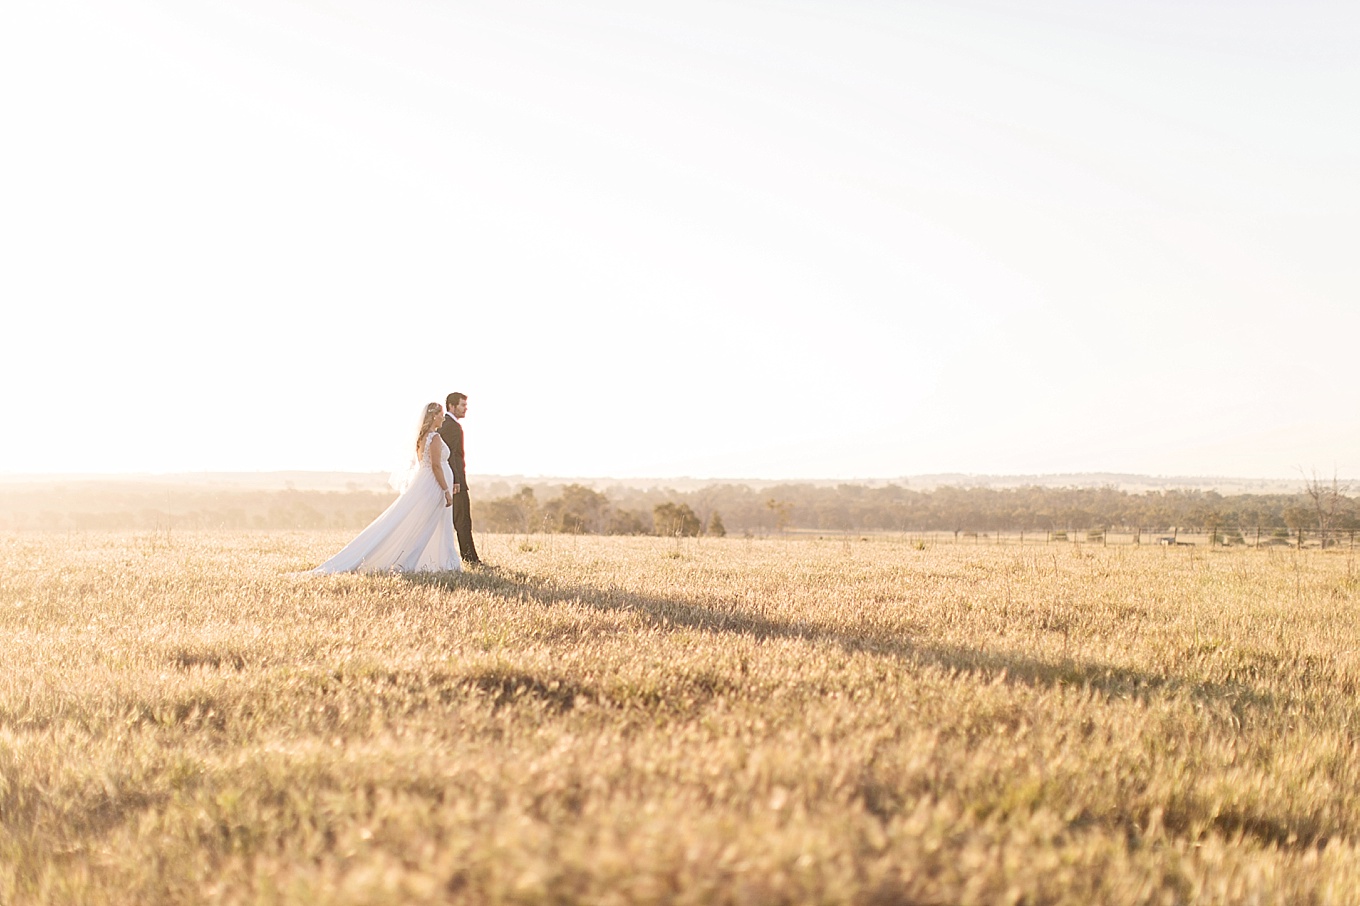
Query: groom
pixel 452 432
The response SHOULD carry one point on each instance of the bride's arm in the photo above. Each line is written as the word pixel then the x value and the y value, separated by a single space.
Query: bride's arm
pixel 437 467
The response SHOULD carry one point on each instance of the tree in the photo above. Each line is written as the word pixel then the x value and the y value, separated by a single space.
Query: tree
pixel 1326 499
pixel 515 513
pixel 676 519
pixel 780 508
pixel 580 509
pixel 627 522
pixel 1295 518
pixel 716 527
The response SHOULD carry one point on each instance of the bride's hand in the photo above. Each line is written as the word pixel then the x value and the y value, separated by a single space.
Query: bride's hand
pixel 448 497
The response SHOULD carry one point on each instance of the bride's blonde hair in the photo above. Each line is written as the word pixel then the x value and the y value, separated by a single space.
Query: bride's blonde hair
pixel 434 417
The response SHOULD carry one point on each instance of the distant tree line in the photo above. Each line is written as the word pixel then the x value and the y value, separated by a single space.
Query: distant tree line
pixel 578 509
pixel 718 509
pixel 82 506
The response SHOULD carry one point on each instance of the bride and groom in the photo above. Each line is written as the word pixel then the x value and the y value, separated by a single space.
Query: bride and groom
pixel 416 533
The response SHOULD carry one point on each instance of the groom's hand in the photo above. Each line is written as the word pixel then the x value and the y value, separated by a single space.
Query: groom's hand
pixel 455 487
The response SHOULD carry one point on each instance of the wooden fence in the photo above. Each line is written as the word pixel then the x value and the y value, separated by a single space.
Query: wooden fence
pixel 1253 537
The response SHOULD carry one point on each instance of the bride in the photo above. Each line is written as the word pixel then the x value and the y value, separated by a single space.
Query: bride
pixel 415 533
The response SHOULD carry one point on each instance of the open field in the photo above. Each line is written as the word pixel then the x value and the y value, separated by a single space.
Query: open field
pixel 641 720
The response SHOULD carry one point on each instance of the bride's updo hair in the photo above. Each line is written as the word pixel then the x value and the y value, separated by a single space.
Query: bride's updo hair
pixel 434 417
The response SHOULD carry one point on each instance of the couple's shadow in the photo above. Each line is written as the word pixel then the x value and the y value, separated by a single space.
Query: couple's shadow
pixel 673 612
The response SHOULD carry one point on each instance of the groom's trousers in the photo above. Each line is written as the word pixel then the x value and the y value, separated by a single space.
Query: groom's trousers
pixel 462 524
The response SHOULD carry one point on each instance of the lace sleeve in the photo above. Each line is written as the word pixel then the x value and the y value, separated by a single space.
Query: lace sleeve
pixel 436 445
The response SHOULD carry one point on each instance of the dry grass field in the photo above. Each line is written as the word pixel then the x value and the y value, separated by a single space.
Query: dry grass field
pixel 636 720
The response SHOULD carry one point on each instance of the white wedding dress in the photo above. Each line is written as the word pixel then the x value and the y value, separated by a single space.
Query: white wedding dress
pixel 414 534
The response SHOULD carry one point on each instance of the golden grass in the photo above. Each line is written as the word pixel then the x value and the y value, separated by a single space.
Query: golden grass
pixel 619 720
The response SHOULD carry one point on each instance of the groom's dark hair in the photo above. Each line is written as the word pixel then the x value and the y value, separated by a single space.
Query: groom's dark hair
pixel 454 399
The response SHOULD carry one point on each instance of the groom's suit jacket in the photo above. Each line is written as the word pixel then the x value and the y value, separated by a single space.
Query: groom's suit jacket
pixel 452 432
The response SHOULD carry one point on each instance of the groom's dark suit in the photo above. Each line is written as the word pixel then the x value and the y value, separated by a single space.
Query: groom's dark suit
pixel 452 432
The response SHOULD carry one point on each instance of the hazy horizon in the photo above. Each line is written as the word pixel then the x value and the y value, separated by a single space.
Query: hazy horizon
pixel 318 480
pixel 782 239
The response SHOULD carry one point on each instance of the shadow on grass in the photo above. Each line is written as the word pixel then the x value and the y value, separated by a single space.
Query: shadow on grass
pixel 506 685
pixel 675 612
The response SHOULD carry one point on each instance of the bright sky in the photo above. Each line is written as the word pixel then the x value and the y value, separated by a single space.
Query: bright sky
pixel 831 238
